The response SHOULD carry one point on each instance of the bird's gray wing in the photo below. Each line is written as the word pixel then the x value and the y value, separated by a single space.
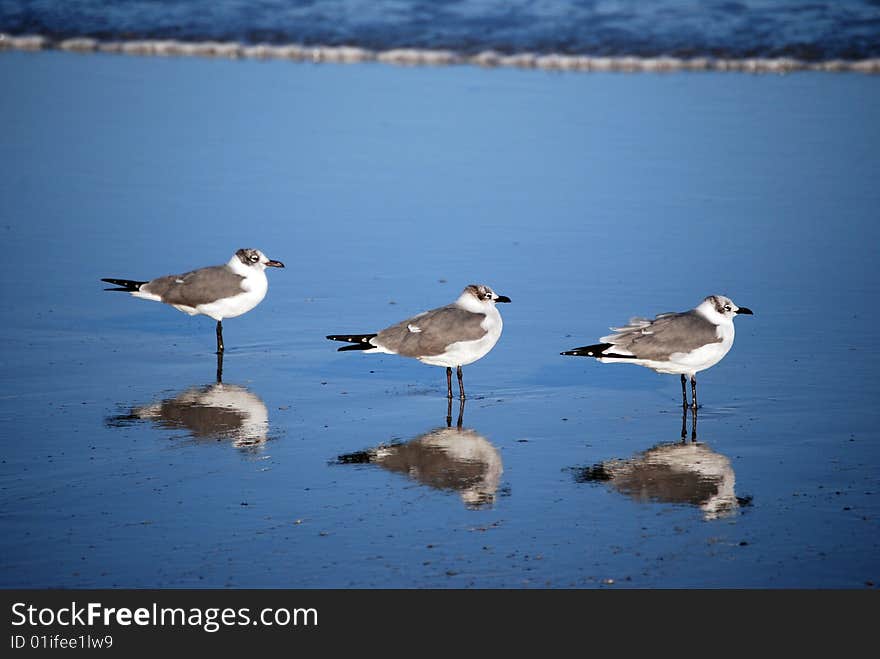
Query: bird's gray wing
pixel 431 332
pixel 197 287
pixel 667 334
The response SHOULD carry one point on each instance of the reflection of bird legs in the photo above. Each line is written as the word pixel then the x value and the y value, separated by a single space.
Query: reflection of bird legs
pixel 449 414
pixel 684 421
pixel 219 367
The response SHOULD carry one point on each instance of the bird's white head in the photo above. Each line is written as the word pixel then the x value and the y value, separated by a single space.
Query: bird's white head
pixel 720 309
pixel 479 296
pixel 254 258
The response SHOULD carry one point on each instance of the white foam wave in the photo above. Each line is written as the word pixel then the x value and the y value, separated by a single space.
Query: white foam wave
pixel 427 57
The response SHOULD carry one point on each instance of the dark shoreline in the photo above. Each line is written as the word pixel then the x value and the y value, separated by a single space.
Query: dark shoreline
pixel 430 57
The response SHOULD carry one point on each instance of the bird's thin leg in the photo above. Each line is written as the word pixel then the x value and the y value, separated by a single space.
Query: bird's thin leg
pixel 684 428
pixel 449 385
pixel 684 396
pixel 694 390
pixel 694 425
pixel 460 413
pixel 460 384
pixel 449 413
pixel 219 337
pixel 219 367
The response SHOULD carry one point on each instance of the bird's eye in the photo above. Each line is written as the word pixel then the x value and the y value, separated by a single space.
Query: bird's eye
pixel 255 258
pixel 727 307
pixel 488 296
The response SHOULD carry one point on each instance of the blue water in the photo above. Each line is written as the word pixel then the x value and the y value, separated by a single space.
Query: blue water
pixel 812 31
pixel 385 190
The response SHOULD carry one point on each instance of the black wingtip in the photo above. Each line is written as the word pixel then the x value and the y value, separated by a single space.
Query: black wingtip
pixel 597 350
pixel 587 351
pixel 357 341
pixel 355 346
pixel 351 338
pixel 124 285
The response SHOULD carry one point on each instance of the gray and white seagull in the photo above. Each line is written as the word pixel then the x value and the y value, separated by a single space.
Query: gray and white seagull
pixel 455 335
pixel 678 343
pixel 218 291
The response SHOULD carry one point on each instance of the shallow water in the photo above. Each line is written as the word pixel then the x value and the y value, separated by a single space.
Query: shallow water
pixel 385 190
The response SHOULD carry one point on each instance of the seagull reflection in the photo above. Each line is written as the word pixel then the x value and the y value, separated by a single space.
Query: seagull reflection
pixel 213 412
pixel 675 472
pixel 450 458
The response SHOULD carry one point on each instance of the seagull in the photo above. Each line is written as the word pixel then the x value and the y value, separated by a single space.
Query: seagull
pixel 455 335
pixel 218 291
pixel 678 343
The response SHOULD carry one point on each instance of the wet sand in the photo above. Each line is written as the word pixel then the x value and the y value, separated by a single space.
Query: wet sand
pixel 385 190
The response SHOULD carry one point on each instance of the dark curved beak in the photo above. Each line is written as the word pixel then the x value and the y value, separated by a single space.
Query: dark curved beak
pixel 274 264
pixel 502 298
pixel 746 311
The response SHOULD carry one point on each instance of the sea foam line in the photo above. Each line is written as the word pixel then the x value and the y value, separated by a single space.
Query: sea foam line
pixel 427 57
